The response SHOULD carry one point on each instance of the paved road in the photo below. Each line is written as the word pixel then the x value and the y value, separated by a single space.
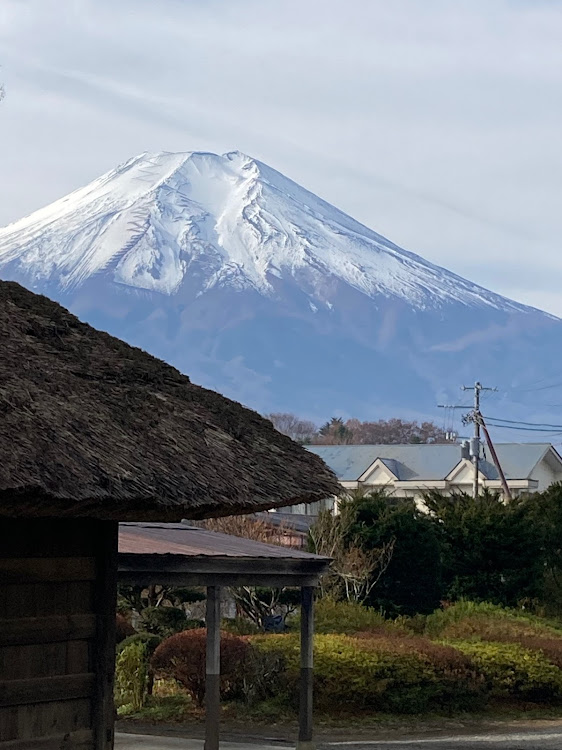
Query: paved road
pixel 525 740
pixel 542 739
pixel 153 742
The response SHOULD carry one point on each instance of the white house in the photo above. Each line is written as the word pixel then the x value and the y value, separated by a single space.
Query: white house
pixel 412 470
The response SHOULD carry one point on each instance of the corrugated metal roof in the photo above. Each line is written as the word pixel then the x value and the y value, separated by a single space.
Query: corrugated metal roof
pixel 295 521
pixel 180 539
pixel 425 462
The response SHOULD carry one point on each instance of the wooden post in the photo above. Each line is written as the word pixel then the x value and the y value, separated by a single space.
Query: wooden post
pixel 104 647
pixel 212 677
pixel 305 741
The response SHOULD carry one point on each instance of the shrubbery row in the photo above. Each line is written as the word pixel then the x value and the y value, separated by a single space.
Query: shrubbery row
pixel 478 652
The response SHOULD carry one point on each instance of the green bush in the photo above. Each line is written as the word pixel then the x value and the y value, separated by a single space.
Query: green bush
pixel 163 621
pixel 400 674
pixel 182 657
pixel 345 618
pixel 240 626
pixel 149 639
pixel 491 550
pixel 514 671
pixel 465 620
pixel 123 627
pixel 412 583
pixel 131 674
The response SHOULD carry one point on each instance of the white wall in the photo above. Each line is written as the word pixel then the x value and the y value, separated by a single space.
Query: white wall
pixel 545 475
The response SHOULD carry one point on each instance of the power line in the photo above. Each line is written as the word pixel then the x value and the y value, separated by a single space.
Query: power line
pixel 525 429
pixel 528 424
pixel 538 388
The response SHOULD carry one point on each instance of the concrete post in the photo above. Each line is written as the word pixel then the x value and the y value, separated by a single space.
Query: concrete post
pixel 212 676
pixel 305 741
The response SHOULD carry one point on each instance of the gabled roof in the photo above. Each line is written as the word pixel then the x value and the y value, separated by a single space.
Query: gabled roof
pixel 90 426
pixel 422 462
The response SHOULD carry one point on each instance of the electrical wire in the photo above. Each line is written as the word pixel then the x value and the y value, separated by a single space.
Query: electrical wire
pixel 552 433
pixel 527 424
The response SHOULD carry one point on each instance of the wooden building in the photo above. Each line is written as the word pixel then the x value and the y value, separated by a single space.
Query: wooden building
pixel 93 432
pixel 183 555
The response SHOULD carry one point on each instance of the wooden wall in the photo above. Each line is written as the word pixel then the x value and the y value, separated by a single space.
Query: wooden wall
pixel 57 620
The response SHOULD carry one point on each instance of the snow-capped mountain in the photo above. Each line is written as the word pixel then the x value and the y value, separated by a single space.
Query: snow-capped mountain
pixel 254 286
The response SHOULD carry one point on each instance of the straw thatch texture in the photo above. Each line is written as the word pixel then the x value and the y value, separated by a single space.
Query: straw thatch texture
pixel 90 426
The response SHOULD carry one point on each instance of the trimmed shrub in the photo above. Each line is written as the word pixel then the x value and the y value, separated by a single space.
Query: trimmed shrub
pixel 466 620
pixel 131 674
pixel 182 657
pixel 123 628
pixel 149 639
pixel 240 626
pixel 345 618
pixel 400 674
pixel 512 670
pixel 163 621
pixel 551 648
pixel 262 675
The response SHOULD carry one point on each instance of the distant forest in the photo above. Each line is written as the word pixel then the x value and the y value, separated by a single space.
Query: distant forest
pixel 337 431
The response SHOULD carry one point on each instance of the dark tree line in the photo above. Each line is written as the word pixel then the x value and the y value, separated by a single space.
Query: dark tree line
pixel 460 548
pixel 337 431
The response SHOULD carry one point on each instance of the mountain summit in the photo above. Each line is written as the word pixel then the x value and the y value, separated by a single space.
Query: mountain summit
pixel 152 222
pixel 257 287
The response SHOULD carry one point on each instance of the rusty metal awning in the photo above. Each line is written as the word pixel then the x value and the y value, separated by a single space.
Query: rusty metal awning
pixel 178 553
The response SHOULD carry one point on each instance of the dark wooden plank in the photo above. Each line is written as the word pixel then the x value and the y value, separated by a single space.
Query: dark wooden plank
pixel 52 629
pixel 8 723
pixel 47 719
pixel 53 569
pixel 80 597
pixel 45 537
pixel 253 578
pixel 104 645
pixel 19 600
pixel 54 597
pixel 81 740
pixel 36 660
pixel 62 687
pixel 214 565
pixel 78 658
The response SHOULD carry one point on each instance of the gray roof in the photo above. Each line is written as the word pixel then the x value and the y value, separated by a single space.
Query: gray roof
pixel 295 521
pixel 192 541
pixel 427 462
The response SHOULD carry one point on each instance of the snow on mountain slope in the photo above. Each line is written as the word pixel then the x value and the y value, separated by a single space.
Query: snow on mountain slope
pixel 147 221
pixel 256 287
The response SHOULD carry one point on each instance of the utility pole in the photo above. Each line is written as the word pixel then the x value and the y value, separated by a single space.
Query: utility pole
pixel 476 417
pixel 503 480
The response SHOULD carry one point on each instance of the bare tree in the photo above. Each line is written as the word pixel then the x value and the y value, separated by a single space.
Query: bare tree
pixel 297 429
pixel 354 571
pixel 384 431
pixel 247 527
pixel 258 604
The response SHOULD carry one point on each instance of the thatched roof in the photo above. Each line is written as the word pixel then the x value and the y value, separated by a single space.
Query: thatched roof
pixel 90 426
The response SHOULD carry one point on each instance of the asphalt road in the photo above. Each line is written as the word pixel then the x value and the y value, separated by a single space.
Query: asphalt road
pixel 535 739
pixel 538 739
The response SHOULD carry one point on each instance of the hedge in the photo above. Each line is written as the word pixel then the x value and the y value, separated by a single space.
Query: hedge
pixel 388 674
pixel 465 620
pixel 346 618
pixel 515 671
pixel 182 657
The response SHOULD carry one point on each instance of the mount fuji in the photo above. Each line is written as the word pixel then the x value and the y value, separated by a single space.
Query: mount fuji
pixel 256 287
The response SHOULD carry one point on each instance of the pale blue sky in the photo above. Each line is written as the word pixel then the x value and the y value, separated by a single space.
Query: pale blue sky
pixel 435 122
